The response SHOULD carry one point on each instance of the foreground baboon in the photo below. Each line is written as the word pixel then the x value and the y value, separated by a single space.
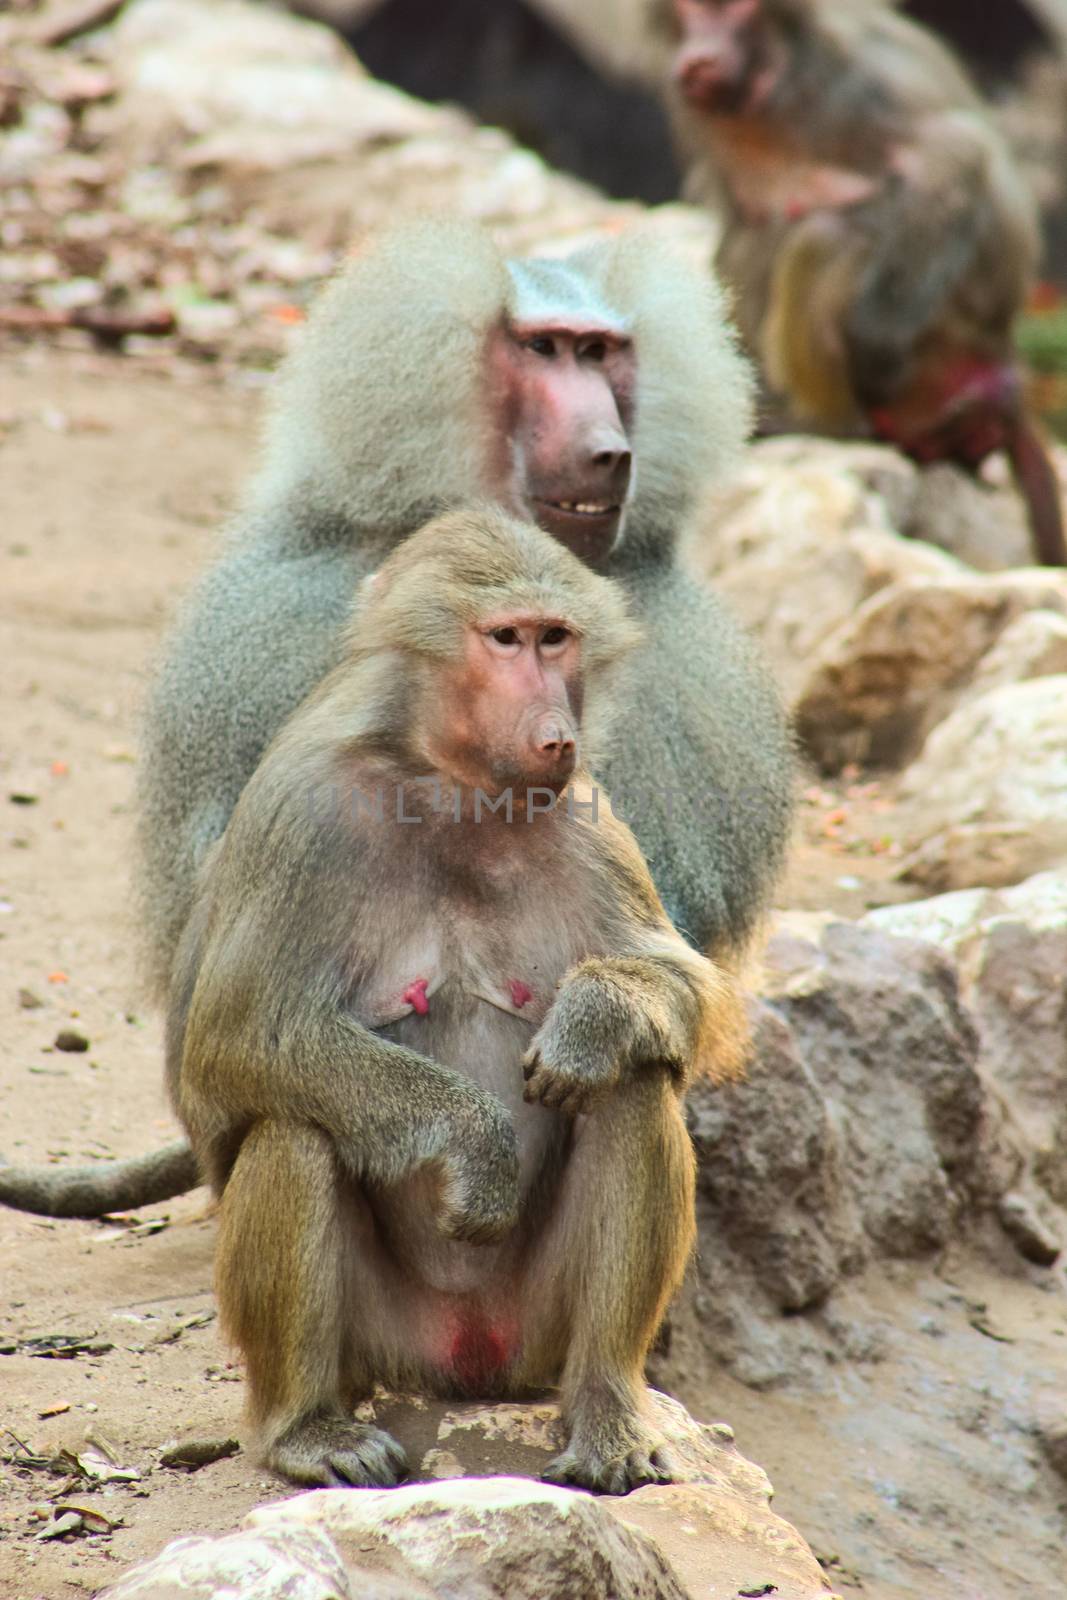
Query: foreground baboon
pixel 597 395
pixel 878 239
pixel 420 898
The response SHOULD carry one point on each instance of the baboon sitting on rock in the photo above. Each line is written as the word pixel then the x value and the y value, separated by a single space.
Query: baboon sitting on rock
pixel 421 901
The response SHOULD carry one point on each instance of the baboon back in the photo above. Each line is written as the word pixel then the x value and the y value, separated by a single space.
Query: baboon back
pixel 257 634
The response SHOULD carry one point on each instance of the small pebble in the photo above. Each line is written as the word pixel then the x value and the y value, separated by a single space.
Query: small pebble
pixel 70 1039
pixel 196 1453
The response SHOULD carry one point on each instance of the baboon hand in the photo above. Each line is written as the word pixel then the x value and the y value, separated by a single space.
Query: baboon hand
pixel 572 1062
pixel 480 1169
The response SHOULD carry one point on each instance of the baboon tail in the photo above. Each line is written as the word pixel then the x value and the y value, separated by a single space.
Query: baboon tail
pixel 96 1190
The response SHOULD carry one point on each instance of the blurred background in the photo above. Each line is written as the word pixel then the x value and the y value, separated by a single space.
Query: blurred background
pixel 576 82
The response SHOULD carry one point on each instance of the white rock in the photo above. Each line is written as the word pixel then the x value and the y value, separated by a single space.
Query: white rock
pixel 294 1562
pixel 986 802
pixel 246 85
pixel 526 1540
pixel 1033 646
pixel 715 1528
pixel 797 542
pixel 945 919
pixel 1011 949
pixel 954 920
pixel 900 661
pixel 981 523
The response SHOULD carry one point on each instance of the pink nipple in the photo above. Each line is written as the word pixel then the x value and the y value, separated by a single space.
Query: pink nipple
pixel 415 996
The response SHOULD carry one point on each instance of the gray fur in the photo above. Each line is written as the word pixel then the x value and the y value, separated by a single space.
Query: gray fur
pixel 379 422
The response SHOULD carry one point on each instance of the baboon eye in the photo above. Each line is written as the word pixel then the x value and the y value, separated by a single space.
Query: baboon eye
pixel 596 350
pixel 505 635
pixel 542 345
pixel 557 635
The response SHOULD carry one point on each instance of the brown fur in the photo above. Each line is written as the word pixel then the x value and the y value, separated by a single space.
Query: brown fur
pixel 398 1206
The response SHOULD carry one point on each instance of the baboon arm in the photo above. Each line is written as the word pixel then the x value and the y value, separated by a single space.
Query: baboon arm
pixel 386 1108
pixel 664 1006
pixel 93 1191
pixel 654 998
pixel 617 1019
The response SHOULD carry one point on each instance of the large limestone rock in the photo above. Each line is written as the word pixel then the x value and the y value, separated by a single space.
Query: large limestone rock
pixel 986 801
pixel 490 1537
pixel 1033 646
pixel 982 523
pixel 865 1131
pixel 802 536
pixel 715 1527
pixel 895 668
pixel 474 1534
pixel 829 553
pixel 222 83
pixel 1011 950
pixel 273 1564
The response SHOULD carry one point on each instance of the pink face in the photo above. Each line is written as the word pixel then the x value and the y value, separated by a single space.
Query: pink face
pixel 567 395
pixel 511 706
pixel 724 65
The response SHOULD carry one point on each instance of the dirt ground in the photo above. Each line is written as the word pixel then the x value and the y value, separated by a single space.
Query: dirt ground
pixel 114 478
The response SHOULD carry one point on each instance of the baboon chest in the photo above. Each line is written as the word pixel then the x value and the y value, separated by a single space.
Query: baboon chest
pixel 474 942
pixel 465 973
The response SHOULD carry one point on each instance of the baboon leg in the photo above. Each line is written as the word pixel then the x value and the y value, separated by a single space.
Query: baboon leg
pixel 282 1267
pixel 607 1267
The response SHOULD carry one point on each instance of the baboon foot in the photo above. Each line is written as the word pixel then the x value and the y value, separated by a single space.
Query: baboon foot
pixel 329 1453
pixel 635 1456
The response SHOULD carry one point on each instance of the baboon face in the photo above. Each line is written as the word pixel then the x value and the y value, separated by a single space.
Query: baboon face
pixel 507 711
pixel 727 54
pixel 566 391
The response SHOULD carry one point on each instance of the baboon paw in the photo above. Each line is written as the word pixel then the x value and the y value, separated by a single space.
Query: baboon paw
pixel 607 1473
pixel 329 1453
pixel 571 1089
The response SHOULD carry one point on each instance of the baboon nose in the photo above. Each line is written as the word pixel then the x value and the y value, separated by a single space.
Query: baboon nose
pixel 612 459
pixel 555 743
pixel 699 74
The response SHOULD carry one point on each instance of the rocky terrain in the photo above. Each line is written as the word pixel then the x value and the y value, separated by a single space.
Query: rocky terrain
pixel 878 1304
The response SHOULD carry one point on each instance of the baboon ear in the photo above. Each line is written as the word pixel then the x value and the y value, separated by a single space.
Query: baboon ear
pixel 369 585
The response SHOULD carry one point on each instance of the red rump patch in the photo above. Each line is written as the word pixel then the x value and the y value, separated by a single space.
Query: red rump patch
pixel 415 996
pixel 520 993
pixel 478 1351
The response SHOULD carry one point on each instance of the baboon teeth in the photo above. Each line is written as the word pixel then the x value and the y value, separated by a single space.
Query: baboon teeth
pixel 586 508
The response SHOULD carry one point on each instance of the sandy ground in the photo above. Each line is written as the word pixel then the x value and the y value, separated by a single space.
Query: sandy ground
pixel 114 478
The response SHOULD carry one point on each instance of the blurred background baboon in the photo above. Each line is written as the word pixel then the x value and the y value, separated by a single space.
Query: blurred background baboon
pixel 878 238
